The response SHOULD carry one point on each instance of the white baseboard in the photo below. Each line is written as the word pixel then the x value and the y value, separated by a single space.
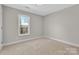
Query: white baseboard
pixel 20 41
pixel 65 42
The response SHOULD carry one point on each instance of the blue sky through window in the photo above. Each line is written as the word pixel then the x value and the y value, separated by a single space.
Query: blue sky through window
pixel 24 20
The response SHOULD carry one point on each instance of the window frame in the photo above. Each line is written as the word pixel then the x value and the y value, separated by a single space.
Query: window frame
pixel 19 17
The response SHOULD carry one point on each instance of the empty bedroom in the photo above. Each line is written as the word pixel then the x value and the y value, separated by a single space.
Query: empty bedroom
pixel 39 29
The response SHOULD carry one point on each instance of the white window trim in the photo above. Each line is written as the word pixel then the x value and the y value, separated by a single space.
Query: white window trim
pixel 19 25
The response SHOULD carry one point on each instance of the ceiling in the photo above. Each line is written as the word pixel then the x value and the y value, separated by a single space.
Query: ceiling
pixel 40 9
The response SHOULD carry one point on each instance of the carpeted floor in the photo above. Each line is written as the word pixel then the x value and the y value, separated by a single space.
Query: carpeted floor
pixel 40 47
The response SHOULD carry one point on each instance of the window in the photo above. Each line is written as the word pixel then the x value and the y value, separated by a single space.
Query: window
pixel 24 25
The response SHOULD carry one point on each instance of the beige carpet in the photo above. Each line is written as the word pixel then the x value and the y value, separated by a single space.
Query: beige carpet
pixel 40 47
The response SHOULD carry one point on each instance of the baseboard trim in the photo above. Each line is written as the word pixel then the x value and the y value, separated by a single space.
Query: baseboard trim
pixel 20 41
pixel 59 40
pixel 65 42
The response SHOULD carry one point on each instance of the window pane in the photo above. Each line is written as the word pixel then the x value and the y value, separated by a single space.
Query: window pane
pixel 24 25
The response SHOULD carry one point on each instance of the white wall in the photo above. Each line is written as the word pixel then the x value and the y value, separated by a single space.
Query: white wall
pixel 63 25
pixel 0 25
pixel 10 22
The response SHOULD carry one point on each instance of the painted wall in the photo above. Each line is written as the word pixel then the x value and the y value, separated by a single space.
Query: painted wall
pixel 63 25
pixel 0 24
pixel 10 22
